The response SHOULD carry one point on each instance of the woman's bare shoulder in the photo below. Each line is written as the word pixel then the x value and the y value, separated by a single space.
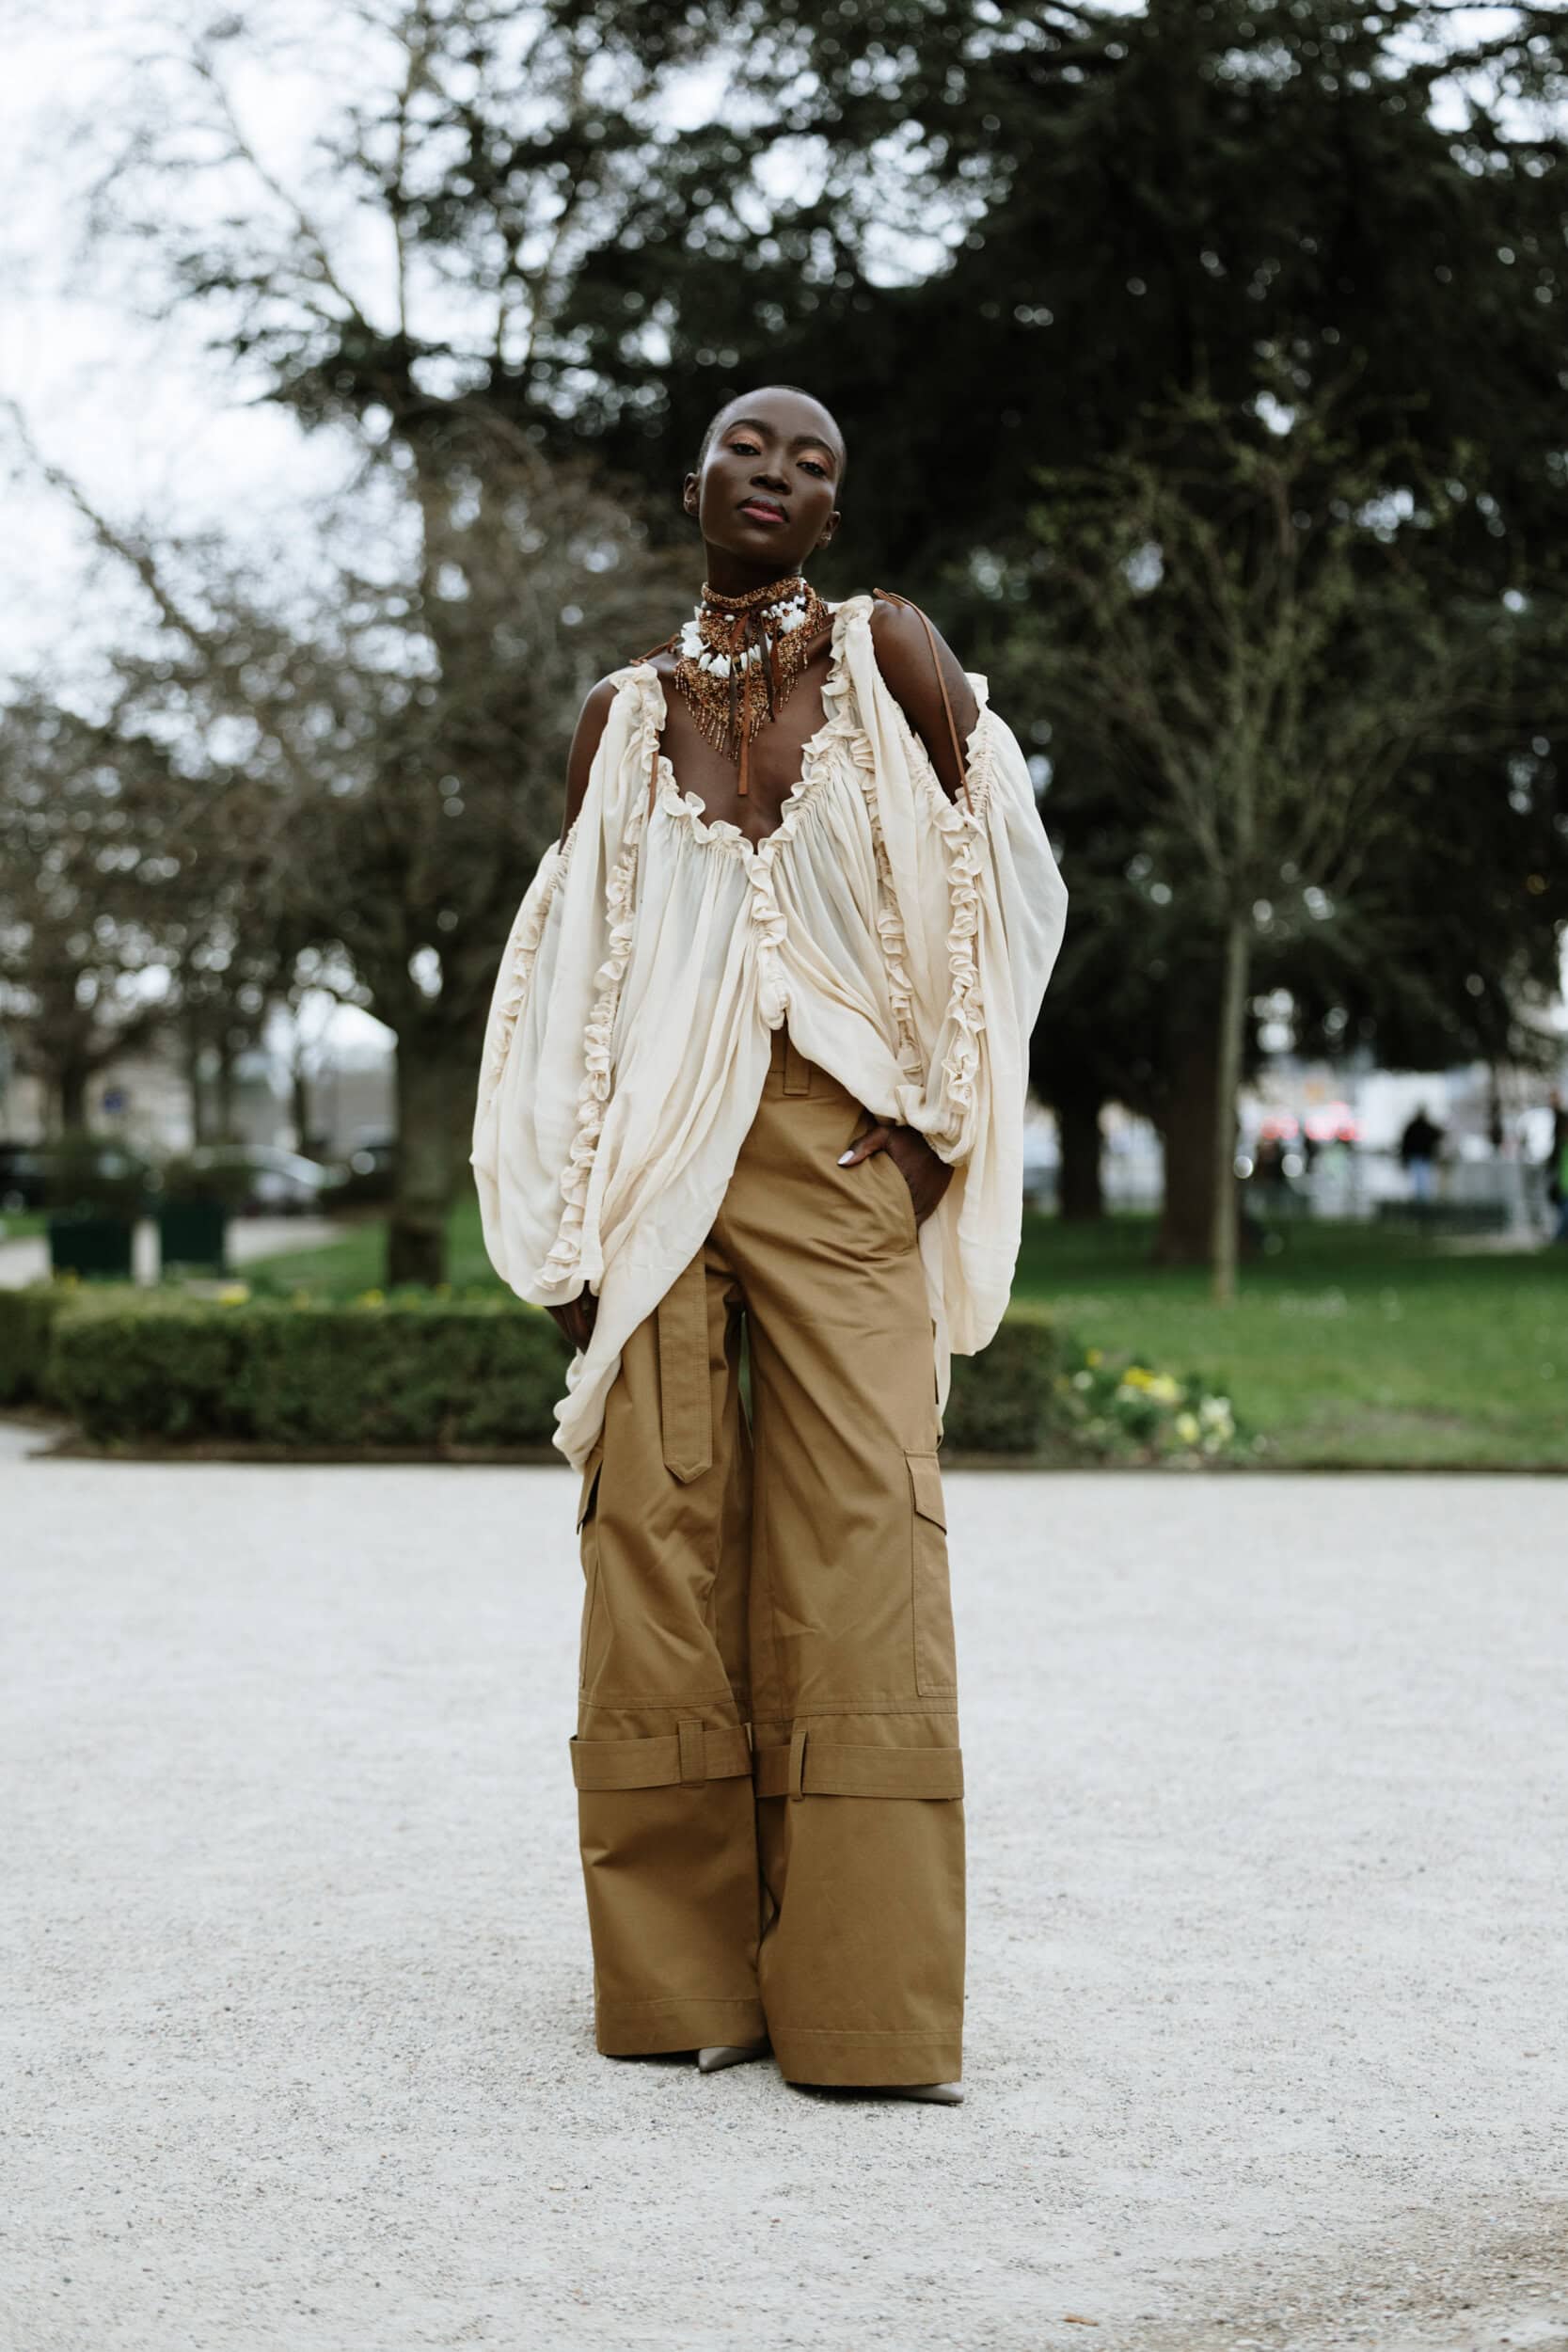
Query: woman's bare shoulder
pixel 926 679
pixel 587 735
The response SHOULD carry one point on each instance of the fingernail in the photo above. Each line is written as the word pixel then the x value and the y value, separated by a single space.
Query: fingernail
pixel 845 1158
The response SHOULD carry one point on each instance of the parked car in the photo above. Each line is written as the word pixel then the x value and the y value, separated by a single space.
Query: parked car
pixel 264 1178
pixel 372 1170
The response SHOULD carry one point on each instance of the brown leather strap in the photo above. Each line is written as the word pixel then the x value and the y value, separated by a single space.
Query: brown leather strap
pixel 890 598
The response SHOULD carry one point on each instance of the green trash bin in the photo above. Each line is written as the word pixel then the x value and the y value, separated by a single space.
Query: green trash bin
pixel 91 1245
pixel 193 1232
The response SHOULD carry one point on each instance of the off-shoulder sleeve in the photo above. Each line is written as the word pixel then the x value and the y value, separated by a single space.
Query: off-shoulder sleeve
pixel 545 1068
pixel 979 907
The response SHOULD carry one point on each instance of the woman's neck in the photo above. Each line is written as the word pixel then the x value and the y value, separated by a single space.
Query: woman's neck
pixel 731 574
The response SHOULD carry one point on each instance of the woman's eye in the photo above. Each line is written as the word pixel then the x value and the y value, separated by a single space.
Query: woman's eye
pixel 812 467
pixel 746 449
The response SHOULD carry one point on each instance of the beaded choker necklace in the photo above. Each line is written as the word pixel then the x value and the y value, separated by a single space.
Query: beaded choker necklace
pixel 740 657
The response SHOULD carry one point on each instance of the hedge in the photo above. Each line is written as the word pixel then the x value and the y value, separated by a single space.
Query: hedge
pixel 156 1366
pixel 26 1318
pixel 435 1376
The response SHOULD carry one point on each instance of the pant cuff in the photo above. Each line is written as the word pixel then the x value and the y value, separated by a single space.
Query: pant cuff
pixel 808 2054
pixel 682 2022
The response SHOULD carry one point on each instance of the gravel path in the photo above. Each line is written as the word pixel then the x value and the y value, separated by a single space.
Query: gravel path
pixel 1268 1984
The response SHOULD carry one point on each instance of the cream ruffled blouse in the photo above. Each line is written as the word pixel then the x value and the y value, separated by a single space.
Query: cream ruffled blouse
pixel 908 940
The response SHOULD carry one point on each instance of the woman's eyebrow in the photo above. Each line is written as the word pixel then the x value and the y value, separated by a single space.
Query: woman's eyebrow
pixel 799 440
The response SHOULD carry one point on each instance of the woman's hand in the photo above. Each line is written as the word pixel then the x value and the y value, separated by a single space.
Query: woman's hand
pixel 575 1319
pixel 926 1173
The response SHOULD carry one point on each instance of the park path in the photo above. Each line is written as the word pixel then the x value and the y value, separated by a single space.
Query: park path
pixel 1268 1979
pixel 26 1259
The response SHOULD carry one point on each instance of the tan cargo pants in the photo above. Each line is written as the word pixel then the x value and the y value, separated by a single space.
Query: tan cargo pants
pixel 766 1756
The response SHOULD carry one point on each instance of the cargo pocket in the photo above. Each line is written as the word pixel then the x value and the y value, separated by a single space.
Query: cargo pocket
pixel 936 1669
pixel 588 1547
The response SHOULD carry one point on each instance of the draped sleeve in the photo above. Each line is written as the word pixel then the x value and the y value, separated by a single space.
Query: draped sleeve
pixel 978 912
pixel 546 1062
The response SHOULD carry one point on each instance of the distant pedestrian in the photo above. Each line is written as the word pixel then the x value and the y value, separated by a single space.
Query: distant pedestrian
pixel 1420 1148
pixel 1556 1167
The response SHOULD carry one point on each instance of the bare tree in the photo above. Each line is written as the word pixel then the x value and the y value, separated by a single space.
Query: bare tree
pixel 372 754
pixel 1253 657
pixel 84 904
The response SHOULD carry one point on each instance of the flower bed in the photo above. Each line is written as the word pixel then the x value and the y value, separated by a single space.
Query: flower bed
pixel 1118 1409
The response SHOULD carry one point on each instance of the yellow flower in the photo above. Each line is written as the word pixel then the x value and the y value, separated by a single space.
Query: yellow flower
pixel 1187 1428
pixel 1164 1389
pixel 1093 1356
pixel 371 1298
pixel 233 1293
pixel 1136 1378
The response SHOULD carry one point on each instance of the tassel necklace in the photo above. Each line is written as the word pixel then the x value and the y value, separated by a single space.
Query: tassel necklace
pixel 740 657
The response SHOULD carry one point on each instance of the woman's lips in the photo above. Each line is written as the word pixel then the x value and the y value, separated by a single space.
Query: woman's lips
pixel 761 513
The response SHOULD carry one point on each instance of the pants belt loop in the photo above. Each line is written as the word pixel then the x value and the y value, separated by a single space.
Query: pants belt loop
pixel 798 1764
pixel 797 1068
pixel 684 1402
pixel 693 1746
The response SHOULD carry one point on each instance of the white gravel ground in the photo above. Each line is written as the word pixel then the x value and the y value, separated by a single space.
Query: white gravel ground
pixel 1268 1986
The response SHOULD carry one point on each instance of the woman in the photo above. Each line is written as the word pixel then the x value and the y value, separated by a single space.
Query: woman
pixel 756 1065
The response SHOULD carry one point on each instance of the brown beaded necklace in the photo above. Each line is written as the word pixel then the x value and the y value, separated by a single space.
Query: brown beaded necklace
pixel 736 645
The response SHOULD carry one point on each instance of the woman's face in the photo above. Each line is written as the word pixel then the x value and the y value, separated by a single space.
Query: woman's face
pixel 768 488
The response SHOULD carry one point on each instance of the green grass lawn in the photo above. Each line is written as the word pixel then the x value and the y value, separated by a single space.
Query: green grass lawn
pixel 22 1224
pixel 1347 1344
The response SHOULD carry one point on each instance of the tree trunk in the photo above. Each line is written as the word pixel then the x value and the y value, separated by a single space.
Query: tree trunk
pixel 1187 1130
pixel 70 1088
pixel 197 1088
pixel 437 1076
pixel 1227 1060
pixel 1081 1196
pixel 226 1092
pixel 299 1087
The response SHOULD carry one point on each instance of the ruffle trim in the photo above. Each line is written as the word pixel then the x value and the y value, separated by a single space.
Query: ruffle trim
pixel 565 1257
pixel 891 932
pixel 964 827
pixel 963 833
pixel 521 956
pixel 980 751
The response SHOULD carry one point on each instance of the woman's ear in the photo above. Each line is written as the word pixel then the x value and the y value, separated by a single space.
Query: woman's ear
pixel 688 495
pixel 830 529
